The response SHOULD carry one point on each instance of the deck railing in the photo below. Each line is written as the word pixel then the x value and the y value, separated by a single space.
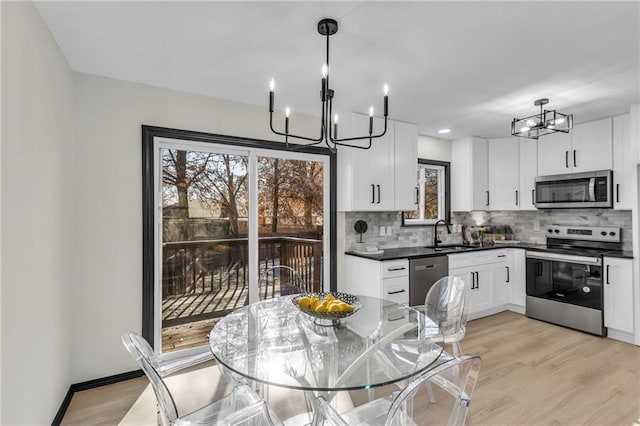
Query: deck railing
pixel 209 278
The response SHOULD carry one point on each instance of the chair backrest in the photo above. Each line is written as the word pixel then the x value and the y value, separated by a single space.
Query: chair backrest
pixel 446 305
pixel 458 377
pixel 285 277
pixel 146 359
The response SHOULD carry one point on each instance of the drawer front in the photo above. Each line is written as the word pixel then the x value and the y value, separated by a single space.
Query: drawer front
pixel 395 268
pixel 477 258
pixel 396 289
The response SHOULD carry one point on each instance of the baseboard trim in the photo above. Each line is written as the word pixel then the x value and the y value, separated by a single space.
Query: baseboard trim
pixel 90 384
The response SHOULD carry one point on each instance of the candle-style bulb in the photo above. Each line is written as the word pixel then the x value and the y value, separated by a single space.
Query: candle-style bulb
pixel 325 70
pixel 385 88
pixel 335 119
pixel 287 111
pixel 272 85
pixel 370 111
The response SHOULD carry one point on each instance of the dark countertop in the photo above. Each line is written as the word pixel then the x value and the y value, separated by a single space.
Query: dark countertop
pixel 423 251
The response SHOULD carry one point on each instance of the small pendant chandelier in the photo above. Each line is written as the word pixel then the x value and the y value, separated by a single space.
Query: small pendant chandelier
pixel 544 123
pixel 328 134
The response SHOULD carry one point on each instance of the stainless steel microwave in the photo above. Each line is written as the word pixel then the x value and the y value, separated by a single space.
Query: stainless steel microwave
pixel 575 190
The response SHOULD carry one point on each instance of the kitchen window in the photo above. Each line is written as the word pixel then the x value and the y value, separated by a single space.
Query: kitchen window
pixel 432 194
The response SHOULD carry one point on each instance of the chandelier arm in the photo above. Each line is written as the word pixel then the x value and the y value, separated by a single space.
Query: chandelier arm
pixel 336 141
pixel 291 135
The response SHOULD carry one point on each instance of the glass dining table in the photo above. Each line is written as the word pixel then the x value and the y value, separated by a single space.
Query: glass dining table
pixel 273 342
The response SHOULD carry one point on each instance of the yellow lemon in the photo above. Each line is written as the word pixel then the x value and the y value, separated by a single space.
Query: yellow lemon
pixel 330 298
pixel 304 302
pixel 345 307
pixel 334 307
pixel 322 307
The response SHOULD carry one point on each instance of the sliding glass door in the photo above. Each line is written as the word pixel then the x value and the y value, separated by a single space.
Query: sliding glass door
pixel 224 216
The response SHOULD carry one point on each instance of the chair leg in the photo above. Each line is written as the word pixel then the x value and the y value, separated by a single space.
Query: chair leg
pixel 456 349
pixel 432 397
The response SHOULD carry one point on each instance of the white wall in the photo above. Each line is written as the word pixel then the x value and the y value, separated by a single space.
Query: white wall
pixel 431 148
pixel 37 216
pixel 107 299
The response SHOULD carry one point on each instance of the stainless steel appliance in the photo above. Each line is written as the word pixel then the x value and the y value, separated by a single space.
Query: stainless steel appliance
pixel 575 190
pixel 423 273
pixel 564 282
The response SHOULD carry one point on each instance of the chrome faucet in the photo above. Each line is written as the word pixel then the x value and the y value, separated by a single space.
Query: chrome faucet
pixel 436 240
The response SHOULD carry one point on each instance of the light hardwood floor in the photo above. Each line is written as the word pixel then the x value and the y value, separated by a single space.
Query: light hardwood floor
pixel 533 373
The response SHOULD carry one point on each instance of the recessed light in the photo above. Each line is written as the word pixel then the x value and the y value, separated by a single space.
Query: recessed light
pixel 442 131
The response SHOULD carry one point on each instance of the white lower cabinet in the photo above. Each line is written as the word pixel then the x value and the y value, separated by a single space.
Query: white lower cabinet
pixel 517 280
pixel 618 294
pixel 489 276
pixel 384 279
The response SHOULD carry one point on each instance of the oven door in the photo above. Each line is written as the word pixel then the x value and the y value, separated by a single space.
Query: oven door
pixel 576 280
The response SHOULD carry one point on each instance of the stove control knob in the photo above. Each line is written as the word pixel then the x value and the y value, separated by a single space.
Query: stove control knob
pixel 550 230
pixel 557 231
pixel 613 234
pixel 603 233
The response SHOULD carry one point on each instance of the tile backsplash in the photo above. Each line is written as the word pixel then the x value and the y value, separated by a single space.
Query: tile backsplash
pixel 528 226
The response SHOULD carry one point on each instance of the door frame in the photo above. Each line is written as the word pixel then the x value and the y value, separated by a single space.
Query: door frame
pixel 149 134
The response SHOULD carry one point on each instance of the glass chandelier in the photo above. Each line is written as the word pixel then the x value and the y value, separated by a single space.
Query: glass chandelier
pixel 544 123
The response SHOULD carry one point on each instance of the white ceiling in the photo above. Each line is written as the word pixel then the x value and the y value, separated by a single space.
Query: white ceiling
pixel 469 66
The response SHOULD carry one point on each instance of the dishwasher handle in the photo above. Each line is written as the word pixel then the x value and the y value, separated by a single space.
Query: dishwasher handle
pixel 424 267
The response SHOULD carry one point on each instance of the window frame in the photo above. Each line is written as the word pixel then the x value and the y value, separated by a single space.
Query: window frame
pixel 446 165
pixel 152 133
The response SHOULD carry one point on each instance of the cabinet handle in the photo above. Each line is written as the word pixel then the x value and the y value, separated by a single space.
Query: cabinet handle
pixel 508 278
pixel 608 275
pixel 516 197
pixel 502 255
pixel 396 318
pixel 533 196
pixel 617 192
pixel 373 193
pixel 473 280
pixel 566 159
pixel 477 280
pixel 487 197
pixel 402 268
pixel 396 292
pixel 574 159
pixel 417 195
pixel 378 193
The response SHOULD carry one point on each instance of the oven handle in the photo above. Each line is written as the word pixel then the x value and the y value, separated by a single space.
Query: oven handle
pixel 592 189
pixel 583 260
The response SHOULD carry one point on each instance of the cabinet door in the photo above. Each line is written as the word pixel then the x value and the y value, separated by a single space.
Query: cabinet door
pixel 504 176
pixel 554 151
pixel 479 286
pixel 618 294
pixel 372 174
pixel 592 146
pixel 517 278
pixel 480 174
pixel 623 163
pixel 406 163
pixel 528 172
pixel 396 289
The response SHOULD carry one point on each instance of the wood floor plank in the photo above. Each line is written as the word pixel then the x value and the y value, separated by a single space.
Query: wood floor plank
pixel 533 373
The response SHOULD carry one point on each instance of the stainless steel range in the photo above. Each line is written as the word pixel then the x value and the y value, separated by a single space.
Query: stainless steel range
pixel 564 281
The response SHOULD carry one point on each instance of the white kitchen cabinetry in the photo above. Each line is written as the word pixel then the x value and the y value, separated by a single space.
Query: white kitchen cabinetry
pixel 383 177
pixel 517 282
pixel 618 294
pixel 623 163
pixel 384 279
pixel 487 275
pixel 469 174
pixel 587 147
pixel 504 174
pixel 528 172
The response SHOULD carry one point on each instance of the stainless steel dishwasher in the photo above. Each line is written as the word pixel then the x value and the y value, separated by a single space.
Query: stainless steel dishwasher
pixel 423 273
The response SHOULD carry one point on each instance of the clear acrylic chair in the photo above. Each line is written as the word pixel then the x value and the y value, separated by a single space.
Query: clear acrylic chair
pixel 456 377
pixel 241 407
pixel 280 280
pixel 446 305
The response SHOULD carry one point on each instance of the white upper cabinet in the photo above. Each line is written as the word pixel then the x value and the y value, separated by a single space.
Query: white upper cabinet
pixel 469 174
pixel 587 147
pixel 504 174
pixel 623 163
pixel 528 173
pixel 406 159
pixel 381 178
